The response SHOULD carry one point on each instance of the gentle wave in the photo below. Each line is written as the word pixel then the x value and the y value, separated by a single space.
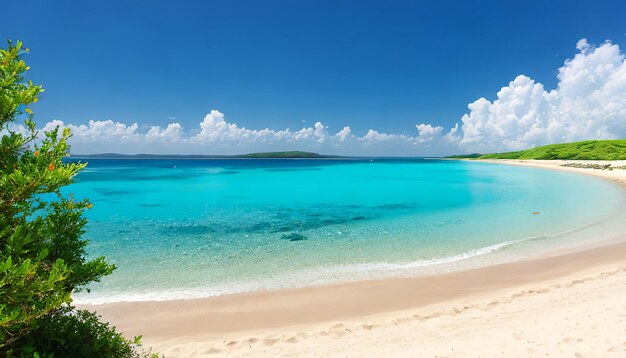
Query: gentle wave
pixel 387 266
pixel 313 277
pixel 348 273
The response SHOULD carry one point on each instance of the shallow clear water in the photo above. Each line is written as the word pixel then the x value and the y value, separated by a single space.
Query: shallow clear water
pixel 193 228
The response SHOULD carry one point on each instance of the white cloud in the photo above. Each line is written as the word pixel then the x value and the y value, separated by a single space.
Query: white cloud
pixel 107 132
pixel 214 129
pixel 102 131
pixel 588 102
pixel 343 134
pixel 376 136
pixel 215 135
pixel 172 133
pixel 316 133
pixel 427 132
pixel 517 117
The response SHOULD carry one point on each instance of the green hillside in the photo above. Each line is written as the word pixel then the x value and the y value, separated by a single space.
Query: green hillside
pixel 465 156
pixel 585 150
pixel 291 154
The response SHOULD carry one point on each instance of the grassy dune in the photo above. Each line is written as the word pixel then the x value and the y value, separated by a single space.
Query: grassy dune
pixel 585 150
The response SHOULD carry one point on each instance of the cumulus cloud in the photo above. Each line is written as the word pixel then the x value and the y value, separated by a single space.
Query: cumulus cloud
pixel 214 129
pixel 316 133
pixel 214 135
pixel 589 102
pixel 426 132
pixel 343 134
pixel 108 132
pixel 172 133
pixel 373 136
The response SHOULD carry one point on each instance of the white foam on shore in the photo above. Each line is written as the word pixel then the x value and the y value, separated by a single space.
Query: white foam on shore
pixel 484 256
pixel 302 278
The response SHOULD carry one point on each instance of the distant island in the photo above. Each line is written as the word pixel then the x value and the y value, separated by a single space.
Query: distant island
pixel 291 154
pixel 265 155
pixel 585 150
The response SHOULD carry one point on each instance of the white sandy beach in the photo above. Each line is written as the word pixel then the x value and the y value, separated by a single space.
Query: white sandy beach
pixel 568 304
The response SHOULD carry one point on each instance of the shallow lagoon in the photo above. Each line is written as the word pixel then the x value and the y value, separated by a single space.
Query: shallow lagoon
pixel 194 228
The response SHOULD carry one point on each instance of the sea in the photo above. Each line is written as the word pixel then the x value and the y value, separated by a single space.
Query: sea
pixel 192 228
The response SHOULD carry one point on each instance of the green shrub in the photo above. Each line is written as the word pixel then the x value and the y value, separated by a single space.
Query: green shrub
pixel 42 255
pixel 78 333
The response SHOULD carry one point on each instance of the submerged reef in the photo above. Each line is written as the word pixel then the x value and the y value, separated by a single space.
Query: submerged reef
pixel 293 237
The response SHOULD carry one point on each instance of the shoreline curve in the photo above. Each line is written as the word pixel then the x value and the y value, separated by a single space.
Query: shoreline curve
pixel 217 324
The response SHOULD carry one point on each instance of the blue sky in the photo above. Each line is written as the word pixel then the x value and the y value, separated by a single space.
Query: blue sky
pixel 382 65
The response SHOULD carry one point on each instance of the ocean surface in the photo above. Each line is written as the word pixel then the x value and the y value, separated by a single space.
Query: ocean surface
pixel 204 227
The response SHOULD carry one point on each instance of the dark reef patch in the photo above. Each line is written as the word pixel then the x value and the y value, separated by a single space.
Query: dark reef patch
pixel 293 237
pixel 285 228
pixel 109 192
pixel 400 206
pixel 261 226
pixel 333 221
pixel 186 229
pixel 291 169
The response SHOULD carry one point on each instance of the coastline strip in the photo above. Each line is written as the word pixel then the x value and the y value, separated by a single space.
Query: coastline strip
pixel 213 317
pixel 220 321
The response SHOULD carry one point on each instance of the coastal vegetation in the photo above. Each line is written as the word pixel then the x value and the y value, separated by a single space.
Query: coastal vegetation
pixel 465 156
pixel 584 150
pixel 43 258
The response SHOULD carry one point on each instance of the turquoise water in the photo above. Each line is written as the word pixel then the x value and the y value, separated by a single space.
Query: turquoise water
pixel 196 228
